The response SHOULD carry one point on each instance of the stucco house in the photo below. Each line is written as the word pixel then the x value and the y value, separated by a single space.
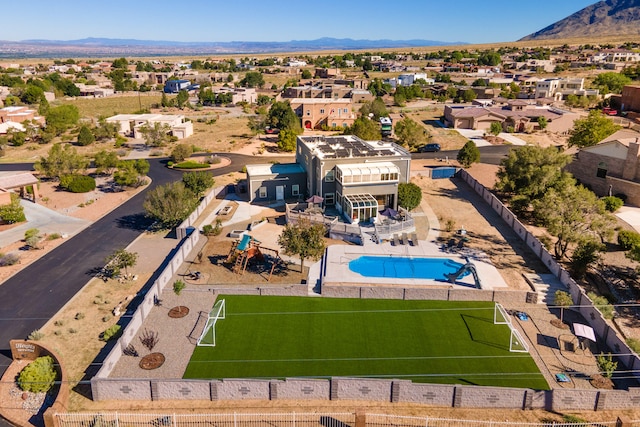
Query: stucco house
pixel 130 124
pixel 315 113
pixel 611 166
pixel 519 114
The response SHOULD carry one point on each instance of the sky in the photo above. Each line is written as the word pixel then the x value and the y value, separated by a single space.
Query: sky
pixel 472 21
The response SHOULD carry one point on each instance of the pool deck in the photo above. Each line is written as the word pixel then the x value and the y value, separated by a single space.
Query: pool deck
pixel 336 266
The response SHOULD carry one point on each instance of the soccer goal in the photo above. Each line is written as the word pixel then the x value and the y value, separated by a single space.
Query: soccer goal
pixel 208 336
pixel 517 343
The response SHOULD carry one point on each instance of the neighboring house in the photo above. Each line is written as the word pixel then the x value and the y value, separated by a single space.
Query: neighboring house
pixel 130 124
pixel 274 182
pixel 296 63
pixel 239 94
pixel 615 55
pixel 327 73
pixel 94 91
pixel 358 177
pixel 559 89
pixel 611 166
pixel 328 89
pixel 631 98
pixel 175 86
pixel 519 114
pixel 19 114
pixel 315 113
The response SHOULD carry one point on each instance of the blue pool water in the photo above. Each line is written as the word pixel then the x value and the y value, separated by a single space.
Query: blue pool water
pixel 405 268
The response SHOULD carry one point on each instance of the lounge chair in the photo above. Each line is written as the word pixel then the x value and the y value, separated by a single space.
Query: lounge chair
pixel 405 239
pixel 396 240
pixel 414 239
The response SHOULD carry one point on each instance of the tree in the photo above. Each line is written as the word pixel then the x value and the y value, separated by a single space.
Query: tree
pixel 530 170
pixel 611 82
pixel 572 213
pixel 130 173
pixel 165 101
pixel 105 162
pixel 62 159
pixel 38 376
pixel 542 122
pixel 606 365
pixel 85 136
pixel 409 195
pixel 155 135
pixel 181 152
pixel 119 260
pixel 562 299
pixel 364 128
pixel 495 129
pixel 586 253
pixel 306 74
pixel 282 116
pixel 252 79
pixel 32 95
pixel 13 212
pixel 469 154
pixel 287 140
pixel 61 118
pixel 198 182
pixel 182 99
pixel 304 240
pixel 410 133
pixel 469 95
pixel 374 109
pixel 591 130
pixel 170 204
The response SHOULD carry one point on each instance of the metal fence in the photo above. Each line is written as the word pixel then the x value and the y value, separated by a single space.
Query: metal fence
pixel 115 419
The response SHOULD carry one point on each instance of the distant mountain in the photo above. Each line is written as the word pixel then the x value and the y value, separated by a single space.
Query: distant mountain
pixel 112 47
pixel 605 18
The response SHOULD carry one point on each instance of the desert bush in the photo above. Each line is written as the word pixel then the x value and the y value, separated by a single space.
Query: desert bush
pixel 181 152
pixel 602 304
pixel 627 239
pixel 38 376
pixel 13 212
pixel 634 344
pixel 606 365
pixel 612 203
pixel 36 335
pixel 54 236
pixel 59 323
pixel 190 164
pixel 106 318
pixel 79 316
pixel 111 333
pixel 9 259
pixel 77 183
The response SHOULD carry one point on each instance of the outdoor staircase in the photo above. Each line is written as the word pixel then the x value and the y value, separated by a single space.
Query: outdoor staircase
pixel 545 285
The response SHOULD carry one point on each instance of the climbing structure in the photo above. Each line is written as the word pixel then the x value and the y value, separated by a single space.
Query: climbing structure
pixel 248 248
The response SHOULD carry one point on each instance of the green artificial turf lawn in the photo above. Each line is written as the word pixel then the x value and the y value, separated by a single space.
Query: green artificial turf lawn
pixel 423 341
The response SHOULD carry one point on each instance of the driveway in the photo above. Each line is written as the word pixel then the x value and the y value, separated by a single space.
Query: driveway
pixel 44 219
pixel 475 136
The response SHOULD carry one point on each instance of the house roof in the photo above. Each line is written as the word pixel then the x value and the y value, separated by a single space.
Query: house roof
pixel 274 169
pixel 16 180
pixel 624 136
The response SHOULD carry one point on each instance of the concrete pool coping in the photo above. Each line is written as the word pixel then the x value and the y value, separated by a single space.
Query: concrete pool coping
pixel 336 272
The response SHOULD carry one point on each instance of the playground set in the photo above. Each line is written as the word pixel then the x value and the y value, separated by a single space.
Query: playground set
pixel 249 248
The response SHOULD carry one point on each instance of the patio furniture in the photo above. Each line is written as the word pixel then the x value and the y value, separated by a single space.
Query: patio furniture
pixel 405 239
pixel 396 240
pixel 414 239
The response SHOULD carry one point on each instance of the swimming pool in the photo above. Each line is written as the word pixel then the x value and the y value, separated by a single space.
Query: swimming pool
pixel 405 267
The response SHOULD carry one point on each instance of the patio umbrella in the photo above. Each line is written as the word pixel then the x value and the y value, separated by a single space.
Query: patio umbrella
pixel 391 213
pixel 315 199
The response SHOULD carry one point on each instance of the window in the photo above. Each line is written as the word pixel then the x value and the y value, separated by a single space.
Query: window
pixel 262 192
pixel 602 170
pixel 308 112
pixel 329 177
pixel 334 124
pixel 322 111
pixel 344 125
pixel 345 110
pixel 295 190
pixel 329 199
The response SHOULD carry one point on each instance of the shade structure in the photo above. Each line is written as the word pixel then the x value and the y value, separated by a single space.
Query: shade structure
pixel 315 199
pixel 391 213
pixel 584 331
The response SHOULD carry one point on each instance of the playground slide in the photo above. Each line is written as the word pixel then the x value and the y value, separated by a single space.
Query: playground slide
pixel 468 267
pixel 244 243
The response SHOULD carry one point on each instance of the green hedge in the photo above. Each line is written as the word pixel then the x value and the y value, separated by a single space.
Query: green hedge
pixel 111 333
pixel 38 376
pixel 78 183
pixel 190 164
pixel 627 239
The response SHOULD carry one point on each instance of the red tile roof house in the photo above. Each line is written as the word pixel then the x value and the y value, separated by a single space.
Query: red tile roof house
pixel 519 114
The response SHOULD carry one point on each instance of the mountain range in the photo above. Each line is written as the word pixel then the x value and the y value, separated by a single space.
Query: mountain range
pixel 604 18
pixel 110 47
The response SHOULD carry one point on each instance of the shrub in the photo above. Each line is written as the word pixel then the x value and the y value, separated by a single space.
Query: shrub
pixel 568 418
pixel 111 333
pixel 606 365
pixel 54 236
pixel 602 304
pixel 634 344
pixel 9 259
pixel 36 335
pixel 38 376
pixel 79 316
pixel 78 183
pixel 181 152
pixel 13 212
pixel 207 230
pixel 59 323
pixel 190 164
pixel 627 239
pixel 612 203
pixel 106 318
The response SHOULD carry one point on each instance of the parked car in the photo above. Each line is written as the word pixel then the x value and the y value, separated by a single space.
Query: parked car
pixel 271 131
pixel 610 111
pixel 430 148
